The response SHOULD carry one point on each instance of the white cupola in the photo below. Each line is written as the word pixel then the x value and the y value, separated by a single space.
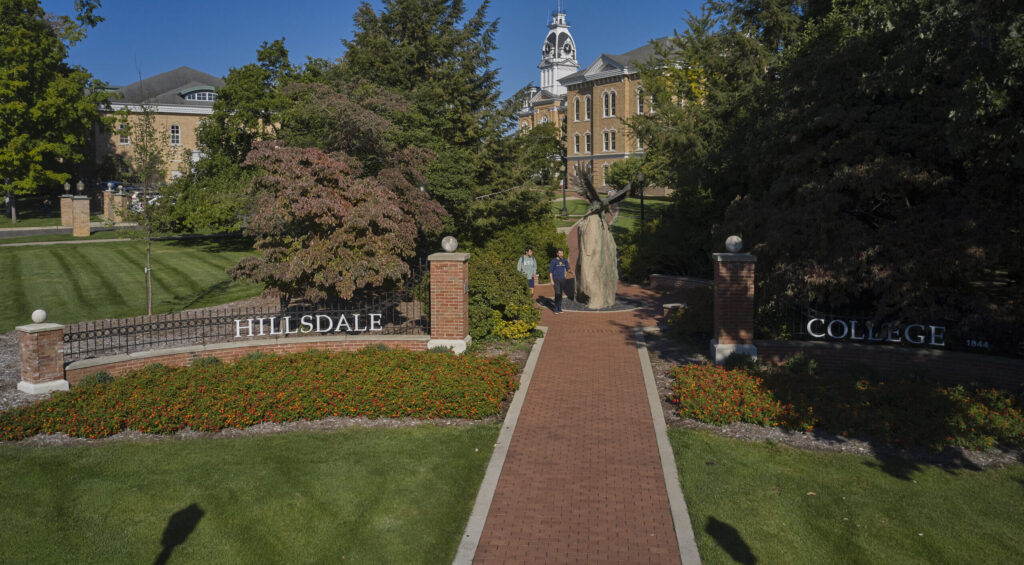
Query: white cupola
pixel 558 55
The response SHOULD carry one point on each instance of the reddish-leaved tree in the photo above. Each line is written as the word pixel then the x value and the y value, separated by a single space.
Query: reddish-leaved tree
pixel 323 231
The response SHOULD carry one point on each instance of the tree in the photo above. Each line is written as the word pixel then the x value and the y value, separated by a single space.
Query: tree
pixel 333 220
pixel 892 142
pixel 47 107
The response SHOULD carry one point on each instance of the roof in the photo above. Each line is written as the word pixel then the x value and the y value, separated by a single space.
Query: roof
pixel 168 89
pixel 611 65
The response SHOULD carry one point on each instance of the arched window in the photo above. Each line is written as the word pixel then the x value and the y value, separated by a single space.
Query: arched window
pixel 604 174
pixel 609 103
pixel 604 139
pixel 576 143
pixel 640 101
pixel 586 108
pixel 576 109
pixel 586 142
pixel 175 135
pixel 202 96
pixel 612 146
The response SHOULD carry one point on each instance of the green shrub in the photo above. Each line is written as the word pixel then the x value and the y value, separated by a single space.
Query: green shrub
pixel 542 236
pixel 696 318
pixel 497 293
pixel 95 379
pixel 440 349
pixel 740 361
pixel 302 386
pixel 254 356
pixel 199 362
pixel 907 412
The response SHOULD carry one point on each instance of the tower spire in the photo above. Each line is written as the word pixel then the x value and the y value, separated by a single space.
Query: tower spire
pixel 558 56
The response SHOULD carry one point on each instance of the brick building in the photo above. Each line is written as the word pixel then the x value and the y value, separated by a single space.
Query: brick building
pixel 595 101
pixel 179 99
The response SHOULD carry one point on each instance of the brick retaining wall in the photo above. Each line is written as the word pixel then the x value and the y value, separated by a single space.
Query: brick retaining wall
pixel 117 365
pixel 948 366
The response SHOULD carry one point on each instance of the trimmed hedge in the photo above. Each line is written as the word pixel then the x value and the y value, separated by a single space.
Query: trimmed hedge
pixel 906 412
pixel 312 385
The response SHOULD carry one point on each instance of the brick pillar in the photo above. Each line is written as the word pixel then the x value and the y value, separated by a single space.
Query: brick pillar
pixel 734 305
pixel 41 347
pixel 449 301
pixel 80 216
pixel 118 204
pixel 65 211
pixel 108 205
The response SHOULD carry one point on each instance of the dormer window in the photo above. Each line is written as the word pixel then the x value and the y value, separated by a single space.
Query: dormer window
pixel 202 96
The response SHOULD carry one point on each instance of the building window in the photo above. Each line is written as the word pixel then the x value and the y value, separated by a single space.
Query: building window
pixel 639 102
pixel 639 145
pixel 175 135
pixel 544 120
pixel 122 138
pixel 613 140
pixel 201 96
pixel 576 109
pixel 609 103
pixel 586 108
pixel 576 143
pixel 586 142
pixel 604 175
pixel 604 139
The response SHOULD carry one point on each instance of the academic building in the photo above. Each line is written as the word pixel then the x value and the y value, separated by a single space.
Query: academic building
pixel 178 99
pixel 595 102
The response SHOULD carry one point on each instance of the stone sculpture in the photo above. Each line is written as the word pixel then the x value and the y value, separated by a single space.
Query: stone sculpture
pixel 597 269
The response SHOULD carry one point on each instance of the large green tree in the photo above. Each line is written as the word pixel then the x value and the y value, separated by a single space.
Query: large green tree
pixel 47 107
pixel 890 167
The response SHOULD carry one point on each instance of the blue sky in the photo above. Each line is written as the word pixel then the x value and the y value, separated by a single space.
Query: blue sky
pixel 147 37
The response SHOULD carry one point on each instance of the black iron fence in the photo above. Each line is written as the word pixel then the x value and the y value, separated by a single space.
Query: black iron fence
pixel 788 319
pixel 397 311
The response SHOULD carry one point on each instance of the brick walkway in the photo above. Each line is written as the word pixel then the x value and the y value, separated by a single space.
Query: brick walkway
pixel 582 482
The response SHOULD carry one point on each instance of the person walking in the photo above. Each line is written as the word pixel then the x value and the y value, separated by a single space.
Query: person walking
pixel 527 266
pixel 558 268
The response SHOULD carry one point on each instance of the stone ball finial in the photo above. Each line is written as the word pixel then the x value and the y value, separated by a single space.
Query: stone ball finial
pixel 449 244
pixel 67 187
pixel 39 316
pixel 734 243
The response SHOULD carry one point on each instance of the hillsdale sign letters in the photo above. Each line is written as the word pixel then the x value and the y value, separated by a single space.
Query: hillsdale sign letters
pixel 310 323
pixel 915 334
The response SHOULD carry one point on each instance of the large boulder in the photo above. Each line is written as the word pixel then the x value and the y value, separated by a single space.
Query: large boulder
pixel 597 269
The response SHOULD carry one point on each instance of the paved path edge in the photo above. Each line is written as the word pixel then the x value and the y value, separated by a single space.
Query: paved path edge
pixel 484 497
pixel 677 504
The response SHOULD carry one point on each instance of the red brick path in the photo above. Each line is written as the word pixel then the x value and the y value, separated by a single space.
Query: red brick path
pixel 582 482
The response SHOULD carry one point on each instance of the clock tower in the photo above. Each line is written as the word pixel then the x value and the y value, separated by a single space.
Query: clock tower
pixel 558 55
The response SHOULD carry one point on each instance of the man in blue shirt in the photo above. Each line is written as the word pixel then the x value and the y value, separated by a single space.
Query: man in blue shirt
pixel 557 270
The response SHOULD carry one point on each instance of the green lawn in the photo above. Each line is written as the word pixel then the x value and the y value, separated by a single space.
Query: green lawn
pixel 106 234
pixel 766 503
pixel 84 282
pixel 348 496
pixel 629 211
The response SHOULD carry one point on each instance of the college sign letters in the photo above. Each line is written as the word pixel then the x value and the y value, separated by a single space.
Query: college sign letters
pixel 915 334
pixel 310 323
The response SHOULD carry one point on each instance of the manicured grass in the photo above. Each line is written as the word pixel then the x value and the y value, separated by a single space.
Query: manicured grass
pixel 629 211
pixel 107 234
pixel 348 496
pixel 85 282
pixel 766 503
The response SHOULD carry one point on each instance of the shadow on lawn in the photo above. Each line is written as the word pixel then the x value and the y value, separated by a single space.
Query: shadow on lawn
pixel 215 243
pixel 729 539
pixel 180 525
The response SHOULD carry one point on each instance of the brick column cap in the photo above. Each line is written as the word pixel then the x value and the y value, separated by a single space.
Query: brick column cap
pixel 38 328
pixel 67 196
pixel 80 197
pixel 458 257
pixel 734 258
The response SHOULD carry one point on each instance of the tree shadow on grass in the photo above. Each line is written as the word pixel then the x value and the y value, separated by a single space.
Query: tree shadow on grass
pixel 215 243
pixel 729 539
pixel 180 525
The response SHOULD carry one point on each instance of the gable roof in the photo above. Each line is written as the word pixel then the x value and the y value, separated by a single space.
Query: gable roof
pixel 613 65
pixel 168 89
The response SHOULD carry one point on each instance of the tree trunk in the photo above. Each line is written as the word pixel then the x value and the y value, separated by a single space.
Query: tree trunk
pixel 149 274
pixel 14 212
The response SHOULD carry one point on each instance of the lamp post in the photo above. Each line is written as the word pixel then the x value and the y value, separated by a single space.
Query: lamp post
pixel 565 162
pixel 640 181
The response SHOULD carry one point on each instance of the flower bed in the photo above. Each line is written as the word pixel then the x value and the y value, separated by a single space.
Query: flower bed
pixel 209 396
pixel 906 412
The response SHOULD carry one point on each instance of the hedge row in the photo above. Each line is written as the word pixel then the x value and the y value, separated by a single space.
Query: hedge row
pixel 907 411
pixel 210 396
